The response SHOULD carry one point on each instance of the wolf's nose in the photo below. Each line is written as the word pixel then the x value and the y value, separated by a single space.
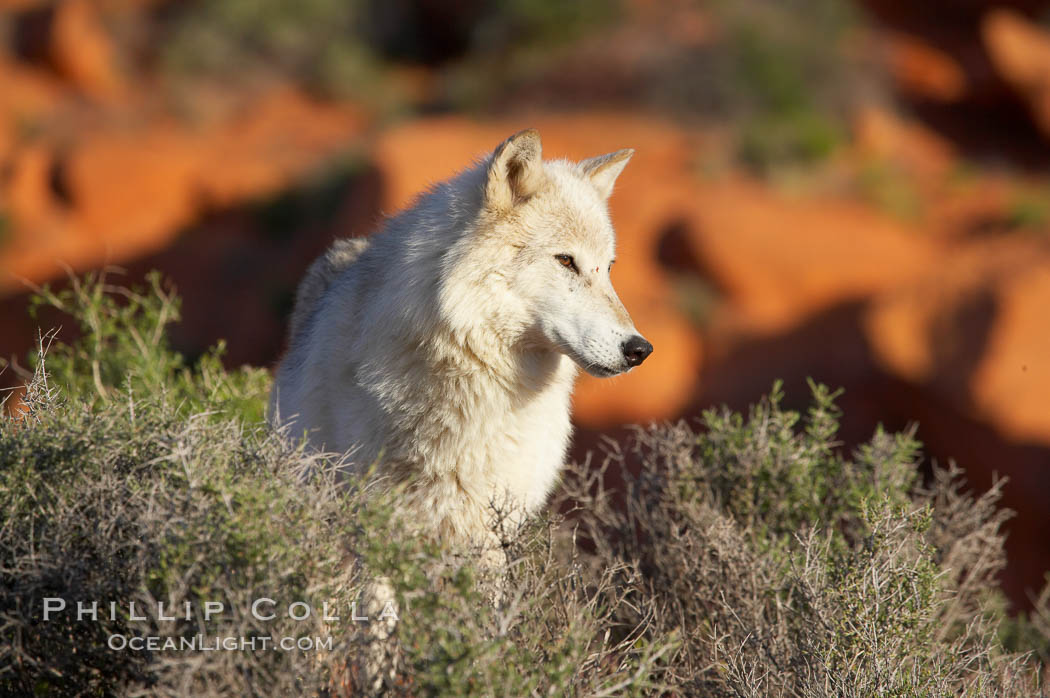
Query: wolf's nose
pixel 636 350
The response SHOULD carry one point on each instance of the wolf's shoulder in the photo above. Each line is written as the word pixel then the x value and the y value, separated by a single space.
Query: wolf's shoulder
pixel 336 259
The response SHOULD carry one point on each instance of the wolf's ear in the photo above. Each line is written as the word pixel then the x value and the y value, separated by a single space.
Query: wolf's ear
pixel 516 170
pixel 604 169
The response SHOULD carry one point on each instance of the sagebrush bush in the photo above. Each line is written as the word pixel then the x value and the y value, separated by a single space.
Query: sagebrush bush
pixel 793 570
pixel 747 557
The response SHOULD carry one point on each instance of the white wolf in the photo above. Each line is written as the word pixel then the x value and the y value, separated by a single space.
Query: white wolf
pixel 444 348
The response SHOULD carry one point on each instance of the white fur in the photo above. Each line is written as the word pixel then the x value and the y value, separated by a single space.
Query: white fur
pixel 444 351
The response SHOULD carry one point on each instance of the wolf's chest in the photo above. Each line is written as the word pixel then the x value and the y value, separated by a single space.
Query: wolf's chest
pixel 531 453
pixel 497 444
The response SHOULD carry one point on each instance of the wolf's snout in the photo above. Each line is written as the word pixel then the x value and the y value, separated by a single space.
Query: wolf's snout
pixel 636 350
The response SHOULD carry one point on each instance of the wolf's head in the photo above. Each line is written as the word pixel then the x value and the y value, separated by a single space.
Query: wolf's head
pixel 550 223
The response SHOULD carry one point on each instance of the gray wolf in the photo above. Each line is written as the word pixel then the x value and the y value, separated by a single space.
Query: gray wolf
pixel 443 349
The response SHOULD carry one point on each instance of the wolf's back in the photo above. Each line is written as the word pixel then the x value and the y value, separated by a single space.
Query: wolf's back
pixel 333 262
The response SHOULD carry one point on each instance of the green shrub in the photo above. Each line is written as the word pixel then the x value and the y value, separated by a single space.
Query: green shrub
pixel 792 77
pixel 314 41
pixel 749 557
pixel 795 570
pixel 123 353
pixel 342 47
pixel 784 76
pixel 1029 209
pixel 891 188
pixel 513 43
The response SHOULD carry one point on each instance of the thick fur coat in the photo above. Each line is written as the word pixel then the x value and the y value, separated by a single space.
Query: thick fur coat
pixel 443 349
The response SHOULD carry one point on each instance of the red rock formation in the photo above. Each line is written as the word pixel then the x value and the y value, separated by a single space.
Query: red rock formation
pixel 1020 52
pixel 923 70
pixel 119 193
pixel 81 50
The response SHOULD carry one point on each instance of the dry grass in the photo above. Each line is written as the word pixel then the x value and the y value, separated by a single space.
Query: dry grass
pixel 746 557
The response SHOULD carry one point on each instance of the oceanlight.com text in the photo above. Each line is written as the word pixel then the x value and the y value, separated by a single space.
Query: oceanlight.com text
pixel 229 643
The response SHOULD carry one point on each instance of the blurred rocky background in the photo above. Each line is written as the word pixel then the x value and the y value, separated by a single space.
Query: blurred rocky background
pixel 856 192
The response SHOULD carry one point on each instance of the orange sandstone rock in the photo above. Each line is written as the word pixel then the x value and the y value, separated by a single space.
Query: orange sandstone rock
pixel 1020 52
pixel 1012 378
pixel 781 259
pixel 81 51
pixel 270 142
pixel 134 189
pixel 884 135
pixel 923 70
pixel 29 199
pixel 117 193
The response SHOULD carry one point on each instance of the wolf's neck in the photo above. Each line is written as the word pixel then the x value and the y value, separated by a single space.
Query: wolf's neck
pixel 484 361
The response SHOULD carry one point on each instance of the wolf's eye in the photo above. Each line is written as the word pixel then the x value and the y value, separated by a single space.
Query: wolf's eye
pixel 567 261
